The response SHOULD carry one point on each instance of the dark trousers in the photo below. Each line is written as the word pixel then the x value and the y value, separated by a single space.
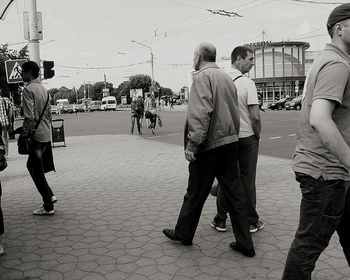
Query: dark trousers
pixel 36 171
pixel 153 120
pixel 248 159
pixel 1 215
pixel 324 209
pixel 221 163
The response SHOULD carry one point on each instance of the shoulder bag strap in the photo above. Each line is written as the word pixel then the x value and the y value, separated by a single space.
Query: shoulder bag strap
pixel 237 77
pixel 42 113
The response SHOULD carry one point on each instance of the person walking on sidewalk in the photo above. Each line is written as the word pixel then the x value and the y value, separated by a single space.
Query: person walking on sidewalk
pixel 242 61
pixel 321 160
pixel 136 113
pixel 152 107
pixel 211 147
pixel 6 119
pixel 35 99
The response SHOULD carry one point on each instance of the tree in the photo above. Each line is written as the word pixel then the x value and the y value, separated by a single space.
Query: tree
pixel 52 93
pixel 121 90
pixel 163 91
pixel 97 90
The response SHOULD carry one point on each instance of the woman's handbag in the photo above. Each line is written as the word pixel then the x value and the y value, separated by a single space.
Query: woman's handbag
pixel 148 114
pixel 23 142
pixel 160 123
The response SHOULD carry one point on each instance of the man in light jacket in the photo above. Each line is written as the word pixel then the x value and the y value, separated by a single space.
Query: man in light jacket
pixel 211 147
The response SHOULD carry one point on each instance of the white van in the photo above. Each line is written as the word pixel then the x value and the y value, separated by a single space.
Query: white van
pixel 109 103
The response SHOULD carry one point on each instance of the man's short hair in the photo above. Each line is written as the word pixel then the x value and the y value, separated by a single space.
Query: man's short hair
pixel 241 51
pixel 207 52
pixel 31 66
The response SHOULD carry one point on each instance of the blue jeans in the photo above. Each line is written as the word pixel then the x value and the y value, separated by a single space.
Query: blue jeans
pixel 324 209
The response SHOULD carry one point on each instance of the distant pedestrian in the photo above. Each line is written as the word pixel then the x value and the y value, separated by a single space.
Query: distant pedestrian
pixel 242 61
pixel 321 161
pixel 211 147
pixel 171 103
pixel 6 119
pixel 136 113
pixel 36 101
pixel 146 102
pixel 152 107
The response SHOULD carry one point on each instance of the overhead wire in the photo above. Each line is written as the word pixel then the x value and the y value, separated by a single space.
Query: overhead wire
pixel 101 67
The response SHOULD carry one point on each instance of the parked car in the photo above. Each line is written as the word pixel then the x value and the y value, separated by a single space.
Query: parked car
pixel 68 108
pixel 295 104
pixel 54 109
pixel 95 105
pixel 280 104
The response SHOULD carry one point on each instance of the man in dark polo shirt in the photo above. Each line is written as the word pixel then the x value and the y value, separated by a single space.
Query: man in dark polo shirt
pixel 322 157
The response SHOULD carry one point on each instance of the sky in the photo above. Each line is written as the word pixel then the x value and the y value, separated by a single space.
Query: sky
pixel 79 35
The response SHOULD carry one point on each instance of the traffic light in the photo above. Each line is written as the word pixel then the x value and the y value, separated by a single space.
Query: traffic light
pixel 48 72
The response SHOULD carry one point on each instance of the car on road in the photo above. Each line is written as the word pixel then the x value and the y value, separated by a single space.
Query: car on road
pixel 294 104
pixel 95 105
pixel 280 104
pixel 109 103
pixel 54 109
pixel 68 108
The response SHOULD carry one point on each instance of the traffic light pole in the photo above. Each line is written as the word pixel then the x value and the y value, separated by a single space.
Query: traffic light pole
pixel 33 42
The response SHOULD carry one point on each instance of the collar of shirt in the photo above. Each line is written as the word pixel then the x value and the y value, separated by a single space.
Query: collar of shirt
pixel 234 73
pixel 338 51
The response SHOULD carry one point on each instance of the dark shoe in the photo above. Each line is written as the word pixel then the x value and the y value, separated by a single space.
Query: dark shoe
pixel 171 235
pixel 254 228
pixel 219 226
pixel 238 248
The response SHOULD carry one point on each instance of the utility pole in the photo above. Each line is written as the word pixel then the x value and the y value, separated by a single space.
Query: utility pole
pixel 33 42
pixel 153 83
pixel 104 76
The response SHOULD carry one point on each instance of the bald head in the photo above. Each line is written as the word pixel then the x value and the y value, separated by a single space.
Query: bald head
pixel 205 52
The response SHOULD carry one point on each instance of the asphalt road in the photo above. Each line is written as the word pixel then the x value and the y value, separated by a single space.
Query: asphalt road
pixel 277 137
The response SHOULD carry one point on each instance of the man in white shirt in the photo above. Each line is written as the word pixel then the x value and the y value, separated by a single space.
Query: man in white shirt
pixel 242 61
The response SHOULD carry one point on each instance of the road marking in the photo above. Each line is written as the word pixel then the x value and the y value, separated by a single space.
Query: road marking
pixel 173 134
pixel 292 135
pixel 154 137
pixel 277 137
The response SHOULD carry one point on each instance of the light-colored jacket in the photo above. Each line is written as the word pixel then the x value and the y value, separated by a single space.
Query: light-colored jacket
pixel 213 114
pixel 34 100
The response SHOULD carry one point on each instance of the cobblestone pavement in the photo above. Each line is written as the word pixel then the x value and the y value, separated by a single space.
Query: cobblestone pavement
pixel 115 195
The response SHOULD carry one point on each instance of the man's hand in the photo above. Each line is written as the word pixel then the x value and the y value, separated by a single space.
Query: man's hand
pixel 189 155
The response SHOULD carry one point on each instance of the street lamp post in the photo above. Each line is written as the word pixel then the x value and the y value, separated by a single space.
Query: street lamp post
pixel 151 61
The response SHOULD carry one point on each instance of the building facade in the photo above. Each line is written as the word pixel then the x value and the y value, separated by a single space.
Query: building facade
pixel 280 68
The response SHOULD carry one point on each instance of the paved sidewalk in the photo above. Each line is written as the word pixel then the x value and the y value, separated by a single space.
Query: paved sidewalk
pixel 115 195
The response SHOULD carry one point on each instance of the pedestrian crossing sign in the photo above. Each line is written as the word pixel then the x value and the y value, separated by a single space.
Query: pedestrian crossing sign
pixel 13 70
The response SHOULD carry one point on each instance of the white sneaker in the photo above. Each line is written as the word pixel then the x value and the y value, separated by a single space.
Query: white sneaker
pixel 2 251
pixel 43 212
pixel 53 199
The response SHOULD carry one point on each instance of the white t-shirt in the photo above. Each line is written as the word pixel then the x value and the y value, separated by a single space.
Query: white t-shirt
pixel 247 95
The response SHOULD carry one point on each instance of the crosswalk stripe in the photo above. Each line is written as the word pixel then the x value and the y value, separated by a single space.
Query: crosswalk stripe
pixel 276 137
